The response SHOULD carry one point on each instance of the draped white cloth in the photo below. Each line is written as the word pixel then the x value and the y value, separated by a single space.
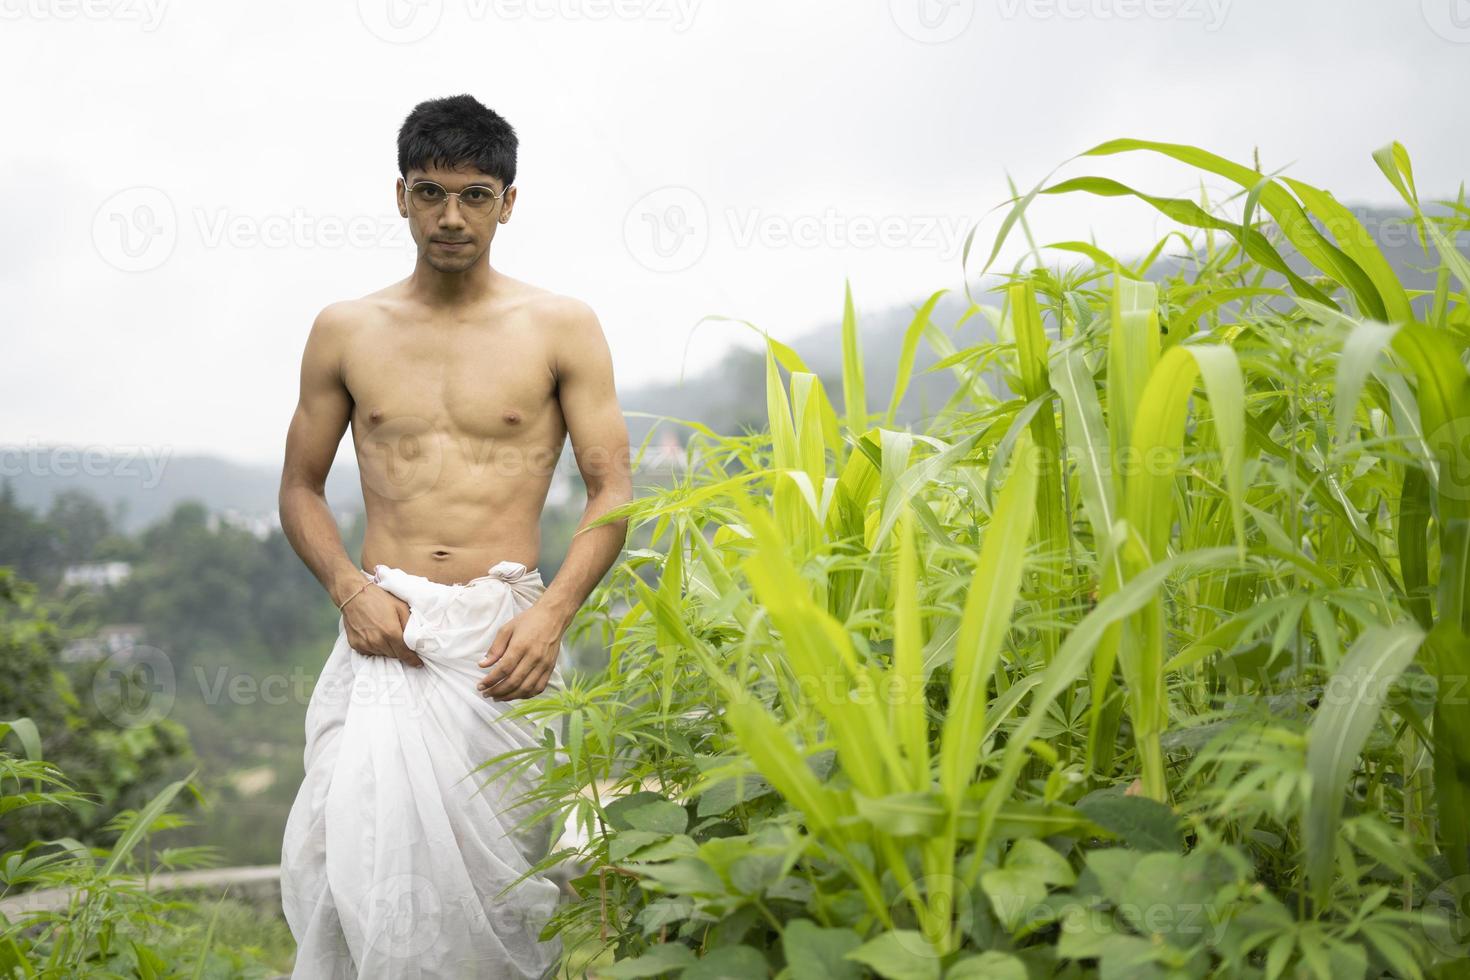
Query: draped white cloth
pixel 393 851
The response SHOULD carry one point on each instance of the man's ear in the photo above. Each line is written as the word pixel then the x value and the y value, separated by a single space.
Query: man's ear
pixel 509 203
pixel 400 191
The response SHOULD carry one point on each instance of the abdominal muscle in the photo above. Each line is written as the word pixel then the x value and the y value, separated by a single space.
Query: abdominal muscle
pixel 440 513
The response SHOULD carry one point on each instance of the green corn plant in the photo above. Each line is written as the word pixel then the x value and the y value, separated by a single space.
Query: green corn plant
pixel 1130 622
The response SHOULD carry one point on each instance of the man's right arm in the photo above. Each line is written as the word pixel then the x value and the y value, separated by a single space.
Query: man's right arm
pixel 374 620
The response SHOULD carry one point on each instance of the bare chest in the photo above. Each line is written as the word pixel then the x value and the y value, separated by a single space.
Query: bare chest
pixel 495 385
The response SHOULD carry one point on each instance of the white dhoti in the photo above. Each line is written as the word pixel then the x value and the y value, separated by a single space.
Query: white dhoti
pixel 395 849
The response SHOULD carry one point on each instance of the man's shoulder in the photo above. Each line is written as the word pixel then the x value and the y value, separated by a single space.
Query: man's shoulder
pixel 554 309
pixel 338 323
pixel 335 318
pixel 571 331
pixel 347 313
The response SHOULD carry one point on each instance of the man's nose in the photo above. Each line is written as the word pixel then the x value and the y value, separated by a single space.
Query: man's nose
pixel 451 217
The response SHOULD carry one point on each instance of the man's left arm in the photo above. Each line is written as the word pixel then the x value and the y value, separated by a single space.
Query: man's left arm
pixel 529 643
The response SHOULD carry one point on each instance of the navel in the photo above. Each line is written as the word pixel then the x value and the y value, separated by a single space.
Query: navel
pixel 375 415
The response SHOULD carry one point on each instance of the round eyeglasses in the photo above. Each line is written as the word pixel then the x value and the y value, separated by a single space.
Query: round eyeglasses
pixel 427 195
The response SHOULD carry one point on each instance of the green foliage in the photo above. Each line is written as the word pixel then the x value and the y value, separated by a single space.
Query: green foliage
pixel 116 767
pixel 109 924
pixel 1151 665
pixel 30 545
pixel 242 626
pixel 201 588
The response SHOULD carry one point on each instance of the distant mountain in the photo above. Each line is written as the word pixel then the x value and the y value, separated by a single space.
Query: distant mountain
pixel 139 490
pixel 731 395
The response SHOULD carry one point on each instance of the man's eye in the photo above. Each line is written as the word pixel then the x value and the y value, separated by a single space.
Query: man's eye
pixel 477 195
pixel 429 192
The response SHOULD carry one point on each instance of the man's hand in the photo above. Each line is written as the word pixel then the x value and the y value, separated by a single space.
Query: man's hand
pixel 522 656
pixel 375 622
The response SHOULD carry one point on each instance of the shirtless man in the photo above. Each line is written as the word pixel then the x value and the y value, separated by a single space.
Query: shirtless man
pixel 461 385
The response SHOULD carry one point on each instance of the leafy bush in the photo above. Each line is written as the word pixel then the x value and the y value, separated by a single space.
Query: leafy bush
pixel 109 923
pixel 116 767
pixel 1150 665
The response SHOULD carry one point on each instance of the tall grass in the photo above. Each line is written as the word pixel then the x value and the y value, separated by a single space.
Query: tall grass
pixel 1177 624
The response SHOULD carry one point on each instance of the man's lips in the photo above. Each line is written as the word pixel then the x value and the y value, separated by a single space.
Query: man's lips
pixel 445 244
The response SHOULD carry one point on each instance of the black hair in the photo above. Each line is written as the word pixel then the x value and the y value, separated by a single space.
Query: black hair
pixel 457 131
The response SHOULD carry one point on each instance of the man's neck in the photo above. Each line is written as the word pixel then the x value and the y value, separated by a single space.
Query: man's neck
pixel 431 287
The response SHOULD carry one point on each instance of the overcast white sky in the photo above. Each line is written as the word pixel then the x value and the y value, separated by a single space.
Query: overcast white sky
pixel 188 183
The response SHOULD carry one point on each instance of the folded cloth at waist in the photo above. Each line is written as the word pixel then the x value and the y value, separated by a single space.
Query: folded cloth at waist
pixel 395 847
pixel 452 622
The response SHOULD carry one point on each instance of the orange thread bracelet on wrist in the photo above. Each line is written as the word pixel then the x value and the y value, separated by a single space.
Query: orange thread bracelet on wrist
pixel 353 596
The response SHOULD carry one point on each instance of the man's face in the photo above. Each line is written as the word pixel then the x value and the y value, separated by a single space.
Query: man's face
pixel 452 232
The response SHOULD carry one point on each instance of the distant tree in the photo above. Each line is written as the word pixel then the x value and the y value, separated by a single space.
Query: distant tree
pixel 80 523
pixel 199 587
pixel 117 764
pixel 27 544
